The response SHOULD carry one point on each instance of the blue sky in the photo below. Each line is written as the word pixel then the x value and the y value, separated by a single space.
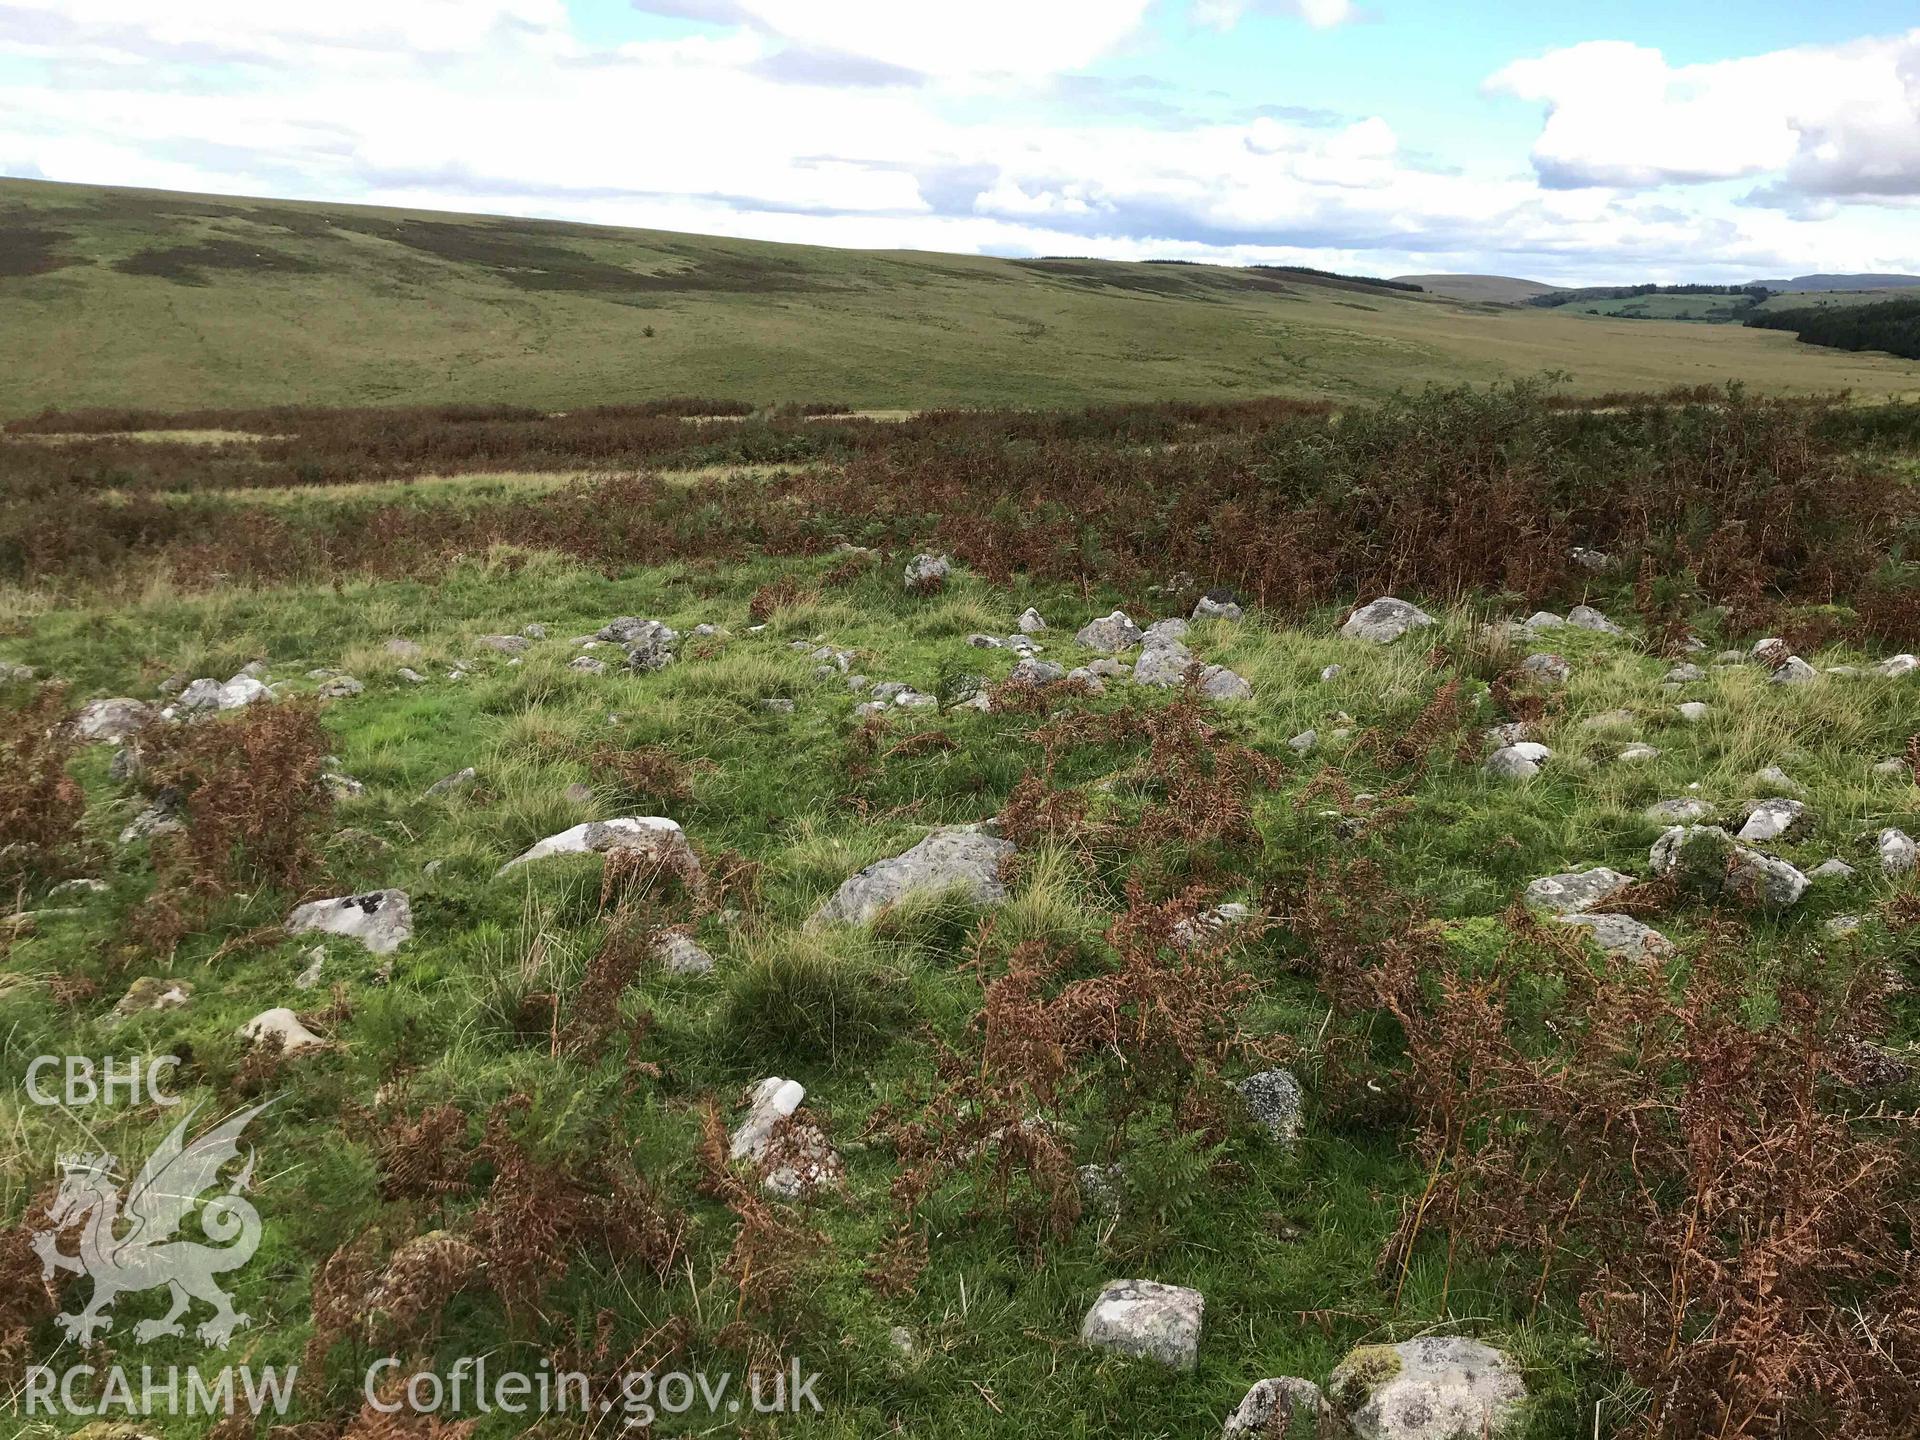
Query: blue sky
pixel 1646 141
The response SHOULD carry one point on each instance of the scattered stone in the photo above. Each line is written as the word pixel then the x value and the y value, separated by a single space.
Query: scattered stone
pixel 1835 869
pixel 1585 617
pixel 1684 811
pixel 505 644
pixel 157 819
pixel 1219 683
pixel 1590 559
pixel 1543 620
pixel 1794 671
pixel 403 649
pixel 927 573
pixel 381 920
pixel 1384 620
pixel 1434 1388
pixel 1111 633
pixel 1163 664
pixel 127 764
pixel 1687 674
pixel 457 783
pixel 1089 680
pixel 1896 666
pixel 679 954
pixel 1164 632
pixel 1030 622
pixel 309 977
pixel 587 665
pixel 1230 915
pixel 1273 1101
pixel 1693 712
pixel 152 993
pixel 1709 861
pixel 1770 819
pixel 1330 672
pixel 652 835
pixel 985 642
pixel 340 687
pixel 963 858
pixel 1620 934
pixel 202 694
pixel 1550 669
pixel 1218 605
pixel 1773 777
pixel 650 647
pixel 78 887
pixel 12 672
pixel 344 787
pixel 901 1339
pixel 410 675
pixel 242 690
pixel 1608 720
pixel 777 705
pixel 1304 742
pixel 805 1161
pixel 1635 754
pixel 112 721
pixel 1510 732
pixel 282 1027
pixel 1838 925
pixel 1282 1406
pixel 1897 851
pixel 1145 1320
pixel 1576 890
pixel 1026 672
pixel 1894 768
pixel 1521 761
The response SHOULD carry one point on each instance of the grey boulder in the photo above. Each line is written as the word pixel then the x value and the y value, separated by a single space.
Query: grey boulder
pixel 1434 1388
pixel 1384 620
pixel 1146 1320
pixel 961 858
pixel 381 920
pixel 1576 890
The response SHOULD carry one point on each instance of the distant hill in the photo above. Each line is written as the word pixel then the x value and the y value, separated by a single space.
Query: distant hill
pixel 1842 282
pixel 139 298
pixel 1495 289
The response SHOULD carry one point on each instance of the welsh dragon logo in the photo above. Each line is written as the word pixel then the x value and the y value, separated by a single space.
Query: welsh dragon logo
pixel 131 1243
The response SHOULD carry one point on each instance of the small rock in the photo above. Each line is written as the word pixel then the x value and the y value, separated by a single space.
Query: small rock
pixel 927 573
pixel 1609 720
pixel 1330 672
pixel 807 1161
pixel 1030 622
pixel 964 858
pixel 1770 819
pixel 1585 617
pixel 1283 1407
pixel 1576 890
pixel 1709 861
pixel 1030 672
pixel 1893 768
pixel 1521 761
pixel 777 705
pixel 1549 669
pixel 1434 1388
pixel 1835 869
pixel 901 1339
pixel 1684 811
pixel 309 977
pixel 1896 666
pixel 1304 742
pixel 151 993
pixel 1590 559
pixel 1273 1100
pixel 1219 683
pixel 1897 851
pixel 1620 934
pixel 403 649
pixel 587 665
pixel 1218 605
pixel 280 1025
pixel 410 675
pixel 242 690
pixel 112 721
pixel 1111 633
pixel 1693 712
pixel 1636 754
pixel 381 920
pixel 344 787
pixel 1774 778
pixel 1543 620
pixel 340 687
pixel 679 954
pixel 1384 620
pixel 1145 1320
pixel 505 644
pixel 1163 665
pixel 650 834
pixel 1685 675
pixel 457 783
pixel 1794 671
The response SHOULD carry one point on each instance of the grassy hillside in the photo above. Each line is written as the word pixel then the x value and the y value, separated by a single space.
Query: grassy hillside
pixel 1494 289
pixel 118 297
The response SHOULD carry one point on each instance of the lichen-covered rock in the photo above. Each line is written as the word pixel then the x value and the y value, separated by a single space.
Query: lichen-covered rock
pixel 962 858
pixel 1218 605
pixel 1895 666
pixel 111 721
pixel 1793 671
pixel 504 644
pixel 1163 665
pixel 1519 761
pixel 381 920
pixel 1835 869
pixel 280 1027
pixel 1434 1388
pixel 800 1162
pixel 1770 819
pixel 648 834
pixel 1585 617
pixel 1896 850
pixel 1684 811
pixel 1273 1101
pixel 1219 683
pixel 457 783
pixel 1709 862
pixel 1685 674
pixel 679 954
pixel 1111 633
pixel 1619 934
pixel 927 573
pixel 1384 621
pixel 1222 918
pixel 241 691
pixel 1694 711
pixel 1146 1320
pixel 1283 1408
pixel 1576 890
pixel 1030 621
pixel 150 992
pixel 1547 669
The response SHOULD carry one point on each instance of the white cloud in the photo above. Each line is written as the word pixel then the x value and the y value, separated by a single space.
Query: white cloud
pixel 1838 121
pixel 1321 14
pixel 497 105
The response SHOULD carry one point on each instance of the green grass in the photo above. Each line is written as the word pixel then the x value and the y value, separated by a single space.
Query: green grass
pixel 1284 1253
pixel 141 298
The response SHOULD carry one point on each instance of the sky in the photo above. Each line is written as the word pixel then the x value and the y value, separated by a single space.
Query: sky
pixel 1610 143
